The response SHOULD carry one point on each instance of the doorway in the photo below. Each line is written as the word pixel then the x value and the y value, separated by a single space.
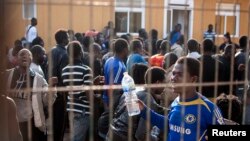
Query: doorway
pixel 175 16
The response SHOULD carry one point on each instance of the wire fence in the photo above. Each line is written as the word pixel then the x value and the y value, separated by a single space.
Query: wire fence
pixel 95 91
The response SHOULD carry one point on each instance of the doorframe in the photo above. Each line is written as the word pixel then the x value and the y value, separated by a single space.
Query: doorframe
pixel 170 5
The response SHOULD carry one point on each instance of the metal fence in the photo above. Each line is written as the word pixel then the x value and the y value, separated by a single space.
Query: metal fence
pixel 145 8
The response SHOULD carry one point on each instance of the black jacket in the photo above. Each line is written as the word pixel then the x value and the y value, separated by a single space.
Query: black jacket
pixel 59 60
pixel 120 123
pixel 208 75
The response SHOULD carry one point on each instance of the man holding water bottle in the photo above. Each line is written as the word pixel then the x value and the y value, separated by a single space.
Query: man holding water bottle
pixel 122 122
pixel 190 110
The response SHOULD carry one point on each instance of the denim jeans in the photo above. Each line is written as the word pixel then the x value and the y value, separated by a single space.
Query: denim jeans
pixel 80 126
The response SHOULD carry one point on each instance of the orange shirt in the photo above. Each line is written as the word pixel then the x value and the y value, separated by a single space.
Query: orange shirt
pixel 156 60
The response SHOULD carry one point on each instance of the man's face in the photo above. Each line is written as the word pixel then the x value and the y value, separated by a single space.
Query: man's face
pixel 125 53
pixel 24 58
pixel 225 39
pixel 42 57
pixel 210 27
pixel 66 40
pixel 181 77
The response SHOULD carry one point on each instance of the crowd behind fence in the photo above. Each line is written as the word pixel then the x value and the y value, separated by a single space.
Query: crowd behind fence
pixel 73 90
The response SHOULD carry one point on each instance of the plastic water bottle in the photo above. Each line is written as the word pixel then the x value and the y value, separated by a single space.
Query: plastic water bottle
pixel 128 86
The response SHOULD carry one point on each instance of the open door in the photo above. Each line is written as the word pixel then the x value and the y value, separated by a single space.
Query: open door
pixel 178 12
pixel 175 16
pixel 182 17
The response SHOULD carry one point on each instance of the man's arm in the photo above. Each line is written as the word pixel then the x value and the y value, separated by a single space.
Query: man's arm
pixel 155 119
pixel 88 80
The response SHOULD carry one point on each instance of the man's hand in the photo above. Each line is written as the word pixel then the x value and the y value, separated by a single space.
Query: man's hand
pixel 141 104
pixel 53 81
pixel 241 67
pixel 99 80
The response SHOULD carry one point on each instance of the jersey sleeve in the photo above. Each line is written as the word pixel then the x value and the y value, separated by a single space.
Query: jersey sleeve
pixel 155 119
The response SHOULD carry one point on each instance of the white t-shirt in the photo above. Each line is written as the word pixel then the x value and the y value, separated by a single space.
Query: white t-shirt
pixel 37 68
pixel 31 33
pixel 177 50
pixel 195 55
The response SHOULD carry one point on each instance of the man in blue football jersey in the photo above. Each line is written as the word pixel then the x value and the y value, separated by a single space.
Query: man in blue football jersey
pixel 115 67
pixel 191 113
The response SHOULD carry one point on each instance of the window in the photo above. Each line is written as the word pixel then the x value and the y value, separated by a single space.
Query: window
pixel 129 16
pixel 29 9
pixel 227 19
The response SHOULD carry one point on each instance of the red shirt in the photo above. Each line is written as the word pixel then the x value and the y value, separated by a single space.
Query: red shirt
pixel 156 60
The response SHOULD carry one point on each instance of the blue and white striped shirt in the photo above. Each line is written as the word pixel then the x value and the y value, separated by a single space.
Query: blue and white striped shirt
pixel 209 35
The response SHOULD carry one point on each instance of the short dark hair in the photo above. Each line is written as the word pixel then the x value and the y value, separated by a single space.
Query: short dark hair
pixel 192 45
pixel 36 50
pixel 158 44
pixel 165 45
pixel 169 59
pixel 135 44
pixel 61 35
pixel 138 72
pixel 74 48
pixel 125 36
pixel 229 48
pixel 192 65
pixel 153 33
pixel 227 35
pixel 140 39
pixel 143 33
pixel 37 41
pixel 178 25
pixel 208 45
pixel 243 41
pixel 119 45
pixel 96 47
pixel 17 47
pixel 33 21
pixel 87 41
pixel 79 37
pixel 18 43
pixel 155 74
pixel 222 102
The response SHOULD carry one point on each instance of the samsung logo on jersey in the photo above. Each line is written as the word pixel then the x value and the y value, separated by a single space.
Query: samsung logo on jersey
pixel 179 129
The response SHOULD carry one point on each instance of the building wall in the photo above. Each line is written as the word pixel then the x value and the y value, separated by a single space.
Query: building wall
pixel 205 14
pixel 80 18
pixel 13 24
pixel 154 16
pixel 55 15
pixel 87 14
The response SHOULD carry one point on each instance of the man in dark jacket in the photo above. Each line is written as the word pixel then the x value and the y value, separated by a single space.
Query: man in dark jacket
pixel 210 69
pixel 119 128
pixel 59 59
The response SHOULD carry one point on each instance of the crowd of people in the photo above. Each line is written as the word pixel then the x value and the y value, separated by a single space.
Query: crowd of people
pixel 201 78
